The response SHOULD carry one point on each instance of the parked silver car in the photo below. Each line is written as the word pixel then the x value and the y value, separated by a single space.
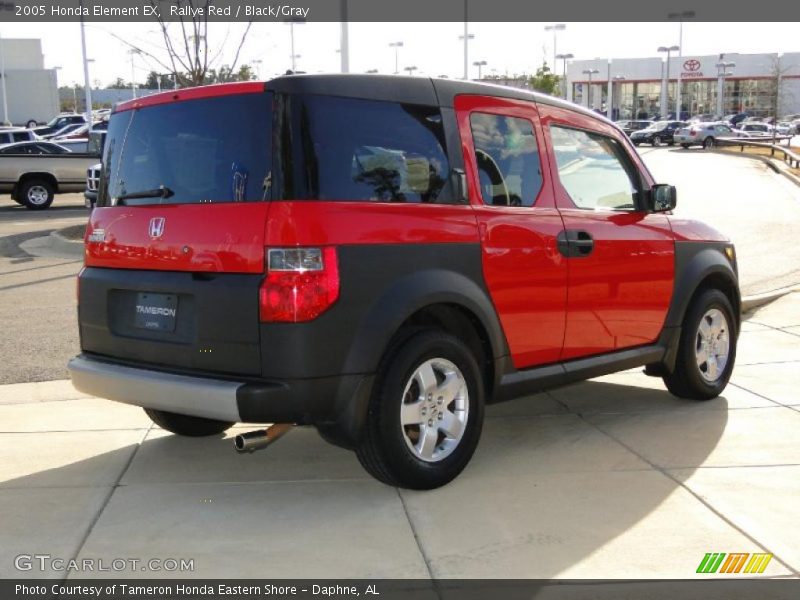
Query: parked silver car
pixel 703 134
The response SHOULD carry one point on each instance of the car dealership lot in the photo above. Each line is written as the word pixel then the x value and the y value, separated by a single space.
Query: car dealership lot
pixel 608 478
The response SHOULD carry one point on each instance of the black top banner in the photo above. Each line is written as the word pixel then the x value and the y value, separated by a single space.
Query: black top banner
pixel 396 10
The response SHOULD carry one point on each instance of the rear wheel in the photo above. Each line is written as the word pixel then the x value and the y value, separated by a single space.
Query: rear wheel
pixel 426 412
pixel 685 146
pixel 656 141
pixel 708 143
pixel 36 194
pixel 706 350
pixel 31 124
pixel 187 425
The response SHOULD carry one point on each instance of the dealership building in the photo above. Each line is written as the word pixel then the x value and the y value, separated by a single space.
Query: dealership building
pixel 32 90
pixel 719 84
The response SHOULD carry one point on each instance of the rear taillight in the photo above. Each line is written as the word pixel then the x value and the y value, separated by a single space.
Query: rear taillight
pixel 692 132
pixel 301 284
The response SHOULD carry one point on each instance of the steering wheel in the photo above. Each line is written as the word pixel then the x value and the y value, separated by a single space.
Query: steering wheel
pixel 487 164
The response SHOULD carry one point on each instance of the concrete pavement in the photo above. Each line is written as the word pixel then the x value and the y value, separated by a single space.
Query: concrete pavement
pixel 603 479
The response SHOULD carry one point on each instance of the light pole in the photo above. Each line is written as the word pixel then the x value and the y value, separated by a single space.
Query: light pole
pixel 257 62
pixel 292 23
pixel 396 46
pixel 466 38
pixel 686 14
pixel 590 72
pixel 87 86
pixel 565 58
pixel 665 89
pixel 133 52
pixel 3 77
pixel 615 79
pixel 555 29
pixel 410 69
pixel 480 64
pixel 722 73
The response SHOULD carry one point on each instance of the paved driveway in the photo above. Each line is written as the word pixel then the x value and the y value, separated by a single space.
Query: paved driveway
pixel 610 478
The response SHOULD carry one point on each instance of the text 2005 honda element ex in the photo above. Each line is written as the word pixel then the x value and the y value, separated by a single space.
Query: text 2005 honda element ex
pixel 380 257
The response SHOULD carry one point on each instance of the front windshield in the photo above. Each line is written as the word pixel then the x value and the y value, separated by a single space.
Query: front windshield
pixel 207 150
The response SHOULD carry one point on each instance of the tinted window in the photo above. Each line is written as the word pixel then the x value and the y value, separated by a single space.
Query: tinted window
pixel 21 136
pixel 361 150
pixel 207 150
pixel 593 170
pixel 507 156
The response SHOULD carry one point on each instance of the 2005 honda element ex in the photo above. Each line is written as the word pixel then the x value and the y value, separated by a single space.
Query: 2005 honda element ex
pixel 382 256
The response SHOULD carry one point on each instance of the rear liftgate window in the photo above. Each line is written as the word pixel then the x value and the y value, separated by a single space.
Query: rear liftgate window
pixel 361 150
pixel 196 151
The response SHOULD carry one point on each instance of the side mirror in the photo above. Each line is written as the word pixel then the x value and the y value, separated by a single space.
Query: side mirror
pixel 662 198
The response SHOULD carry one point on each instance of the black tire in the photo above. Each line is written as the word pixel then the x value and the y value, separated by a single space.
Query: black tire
pixel 687 380
pixel 186 425
pixel 36 194
pixel 685 146
pixel 383 450
pixel 636 144
pixel 31 124
pixel 708 143
pixel 656 141
pixel 670 144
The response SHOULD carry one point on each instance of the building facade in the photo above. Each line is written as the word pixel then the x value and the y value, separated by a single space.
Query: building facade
pixel 639 87
pixel 32 90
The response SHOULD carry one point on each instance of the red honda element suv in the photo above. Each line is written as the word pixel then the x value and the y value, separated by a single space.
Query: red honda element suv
pixel 382 256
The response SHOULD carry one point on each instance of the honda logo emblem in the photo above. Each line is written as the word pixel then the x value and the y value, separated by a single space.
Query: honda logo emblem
pixel 157 227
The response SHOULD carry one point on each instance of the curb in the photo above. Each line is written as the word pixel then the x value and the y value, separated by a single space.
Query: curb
pixel 751 302
pixel 69 247
pixel 775 165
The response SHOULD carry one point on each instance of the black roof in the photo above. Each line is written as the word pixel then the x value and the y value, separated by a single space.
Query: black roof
pixel 411 90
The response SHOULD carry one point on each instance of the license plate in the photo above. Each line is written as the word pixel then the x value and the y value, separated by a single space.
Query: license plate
pixel 156 312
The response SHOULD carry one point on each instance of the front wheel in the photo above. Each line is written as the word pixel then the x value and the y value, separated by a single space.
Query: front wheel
pixel 187 425
pixel 706 350
pixel 426 412
pixel 656 141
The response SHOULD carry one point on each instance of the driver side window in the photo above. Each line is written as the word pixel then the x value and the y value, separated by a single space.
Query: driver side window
pixel 509 169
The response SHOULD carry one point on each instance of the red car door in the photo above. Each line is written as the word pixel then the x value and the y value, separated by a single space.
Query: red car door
pixel 510 190
pixel 621 257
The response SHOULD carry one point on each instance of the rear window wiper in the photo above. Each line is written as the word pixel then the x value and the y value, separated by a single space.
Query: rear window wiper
pixel 159 192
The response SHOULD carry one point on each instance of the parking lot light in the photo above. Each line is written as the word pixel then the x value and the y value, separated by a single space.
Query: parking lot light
pixel 590 72
pixel 410 69
pixel 480 64
pixel 396 46
pixel 665 85
pixel 564 58
pixel 555 29
pixel 681 16
pixel 722 73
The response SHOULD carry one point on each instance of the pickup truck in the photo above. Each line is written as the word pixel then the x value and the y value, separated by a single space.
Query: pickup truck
pixel 33 180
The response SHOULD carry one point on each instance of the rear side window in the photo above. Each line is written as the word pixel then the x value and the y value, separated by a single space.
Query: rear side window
pixel 207 150
pixel 593 170
pixel 22 136
pixel 350 149
pixel 507 157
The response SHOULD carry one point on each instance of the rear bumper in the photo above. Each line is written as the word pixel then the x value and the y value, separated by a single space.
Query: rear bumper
pixel 337 403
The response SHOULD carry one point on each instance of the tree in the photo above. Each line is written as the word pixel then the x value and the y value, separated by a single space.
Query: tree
pixel 119 84
pixel 545 81
pixel 190 55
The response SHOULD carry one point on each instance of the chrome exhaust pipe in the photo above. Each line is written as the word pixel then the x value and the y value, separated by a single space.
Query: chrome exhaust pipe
pixel 261 438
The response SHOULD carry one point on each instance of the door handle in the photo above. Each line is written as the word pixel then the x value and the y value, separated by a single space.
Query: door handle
pixel 575 243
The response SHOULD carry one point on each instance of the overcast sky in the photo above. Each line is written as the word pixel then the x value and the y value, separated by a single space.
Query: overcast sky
pixel 432 47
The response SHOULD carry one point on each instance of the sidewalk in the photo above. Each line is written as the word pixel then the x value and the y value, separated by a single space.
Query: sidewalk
pixel 611 478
